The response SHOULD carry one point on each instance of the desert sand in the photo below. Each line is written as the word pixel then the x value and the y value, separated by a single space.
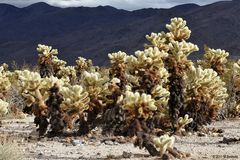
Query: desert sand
pixel 23 132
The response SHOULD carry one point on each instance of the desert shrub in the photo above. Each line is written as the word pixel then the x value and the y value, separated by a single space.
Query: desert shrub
pixel 17 104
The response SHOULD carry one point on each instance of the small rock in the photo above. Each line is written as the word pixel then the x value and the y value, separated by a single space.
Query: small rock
pixel 43 139
pixel 165 157
pixel 190 133
pixel 31 152
pixel 67 144
pixel 97 143
pixel 57 139
pixel 127 154
pixel 215 134
pixel 220 135
pixel 40 154
pixel 40 145
pixel 200 134
pixel 34 133
pixel 221 145
pixel 109 142
pixel 220 131
pixel 115 143
pixel 77 142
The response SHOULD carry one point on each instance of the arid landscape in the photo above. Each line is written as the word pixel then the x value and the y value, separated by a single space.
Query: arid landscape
pixel 155 103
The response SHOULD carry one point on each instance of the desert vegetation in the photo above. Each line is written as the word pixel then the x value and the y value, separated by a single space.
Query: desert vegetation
pixel 149 97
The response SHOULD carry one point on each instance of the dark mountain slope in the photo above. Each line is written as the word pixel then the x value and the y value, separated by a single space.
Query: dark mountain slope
pixel 94 32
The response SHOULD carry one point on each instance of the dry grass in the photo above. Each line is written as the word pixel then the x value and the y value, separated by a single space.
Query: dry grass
pixel 9 150
pixel 16 104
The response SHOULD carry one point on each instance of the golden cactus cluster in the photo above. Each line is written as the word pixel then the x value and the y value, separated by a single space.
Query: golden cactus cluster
pixel 215 59
pixel 139 105
pixel 46 51
pixel 3 107
pixel 4 80
pixel 205 84
pixel 163 143
pixel 178 29
pixel 75 99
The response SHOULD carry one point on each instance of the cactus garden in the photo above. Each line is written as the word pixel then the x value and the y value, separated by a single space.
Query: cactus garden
pixel 154 104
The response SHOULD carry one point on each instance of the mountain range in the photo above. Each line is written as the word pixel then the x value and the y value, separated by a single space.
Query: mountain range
pixel 93 32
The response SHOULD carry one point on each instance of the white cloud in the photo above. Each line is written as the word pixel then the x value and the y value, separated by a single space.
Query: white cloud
pixel 123 4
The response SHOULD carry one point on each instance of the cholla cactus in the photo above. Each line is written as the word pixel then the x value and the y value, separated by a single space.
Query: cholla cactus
pixel 46 54
pixel 29 80
pixel 3 107
pixel 49 82
pixel 178 29
pixel 118 57
pixel 46 51
pixel 151 57
pixel 75 103
pixel 82 65
pixel 182 122
pixel 159 40
pixel 68 72
pixel 5 83
pixel 30 83
pixel 93 79
pixel 215 59
pixel 36 91
pixel 206 83
pixel 233 84
pixel 139 105
pixel 205 95
pixel 57 64
pixel 146 69
pixel 118 67
pixel 161 95
pixel 174 43
pixel 75 99
pixel 181 50
pixel 163 143
pixel 93 83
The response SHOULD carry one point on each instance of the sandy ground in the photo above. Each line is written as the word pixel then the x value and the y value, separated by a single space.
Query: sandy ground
pixel 205 147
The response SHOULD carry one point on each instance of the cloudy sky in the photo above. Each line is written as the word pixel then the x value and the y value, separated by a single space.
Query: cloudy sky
pixel 123 4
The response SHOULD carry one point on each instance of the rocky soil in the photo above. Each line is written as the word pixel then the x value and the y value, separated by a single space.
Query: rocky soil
pixel 201 146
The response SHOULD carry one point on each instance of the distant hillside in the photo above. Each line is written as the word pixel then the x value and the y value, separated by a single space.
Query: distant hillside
pixel 94 32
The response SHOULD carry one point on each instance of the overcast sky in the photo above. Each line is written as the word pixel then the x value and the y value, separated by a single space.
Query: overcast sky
pixel 123 4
